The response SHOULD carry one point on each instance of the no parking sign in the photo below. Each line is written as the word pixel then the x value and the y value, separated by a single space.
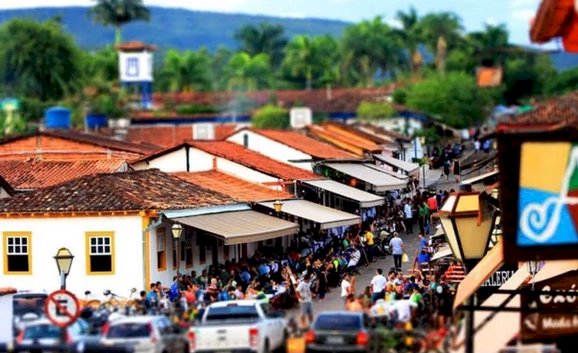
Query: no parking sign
pixel 62 308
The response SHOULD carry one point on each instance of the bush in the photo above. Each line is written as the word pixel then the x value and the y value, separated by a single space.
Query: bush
pixel 192 109
pixel 375 111
pixel 271 117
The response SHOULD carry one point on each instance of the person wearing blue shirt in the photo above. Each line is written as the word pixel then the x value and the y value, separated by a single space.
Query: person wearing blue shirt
pixel 152 297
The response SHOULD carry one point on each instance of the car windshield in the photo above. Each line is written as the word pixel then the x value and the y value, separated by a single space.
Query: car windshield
pixel 232 312
pixel 41 331
pixel 338 322
pixel 28 303
pixel 129 330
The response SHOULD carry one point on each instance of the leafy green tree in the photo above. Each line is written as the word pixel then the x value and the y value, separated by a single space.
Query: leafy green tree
pixel 441 32
pixel 563 82
pixel 117 13
pixel 454 97
pixel 38 59
pixel 271 117
pixel 369 47
pixel 372 111
pixel 219 61
pixel 311 59
pixel 526 76
pixel 265 38
pixel 245 72
pixel 186 71
pixel 101 65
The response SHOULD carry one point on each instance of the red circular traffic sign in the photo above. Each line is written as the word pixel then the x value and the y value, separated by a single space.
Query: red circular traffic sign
pixel 62 308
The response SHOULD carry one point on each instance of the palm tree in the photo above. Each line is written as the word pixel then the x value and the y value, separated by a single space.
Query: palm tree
pixel 410 36
pixel 117 13
pixel 440 32
pixel 188 70
pixel 371 47
pixel 299 58
pixel 491 45
pixel 265 38
pixel 245 72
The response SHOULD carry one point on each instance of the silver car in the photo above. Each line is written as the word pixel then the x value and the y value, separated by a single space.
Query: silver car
pixel 43 332
pixel 146 334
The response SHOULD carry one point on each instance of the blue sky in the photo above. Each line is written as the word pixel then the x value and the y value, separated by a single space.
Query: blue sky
pixel 516 14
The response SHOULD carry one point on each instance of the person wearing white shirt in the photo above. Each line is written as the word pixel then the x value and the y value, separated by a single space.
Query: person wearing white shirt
pixel 346 286
pixel 378 283
pixel 408 215
pixel 402 310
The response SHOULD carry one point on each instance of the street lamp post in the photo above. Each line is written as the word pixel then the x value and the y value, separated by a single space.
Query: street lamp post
pixel 64 262
pixel 177 230
pixel 468 219
pixel 63 259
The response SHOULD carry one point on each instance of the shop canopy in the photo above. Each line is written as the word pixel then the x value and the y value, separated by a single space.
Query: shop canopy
pixel 406 167
pixel 379 181
pixel 365 199
pixel 494 330
pixel 240 227
pixel 493 260
pixel 480 178
pixel 326 217
pixel 442 253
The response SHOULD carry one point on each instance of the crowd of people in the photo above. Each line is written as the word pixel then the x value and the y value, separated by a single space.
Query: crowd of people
pixel 326 262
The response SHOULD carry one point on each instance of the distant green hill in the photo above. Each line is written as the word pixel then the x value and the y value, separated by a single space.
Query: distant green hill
pixel 173 28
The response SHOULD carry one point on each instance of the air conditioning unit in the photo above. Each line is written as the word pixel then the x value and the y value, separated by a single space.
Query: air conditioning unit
pixel 301 117
pixel 203 132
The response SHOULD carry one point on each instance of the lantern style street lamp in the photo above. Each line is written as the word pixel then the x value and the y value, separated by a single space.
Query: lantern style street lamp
pixel 278 206
pixel 177 230
pixel 64 262
pixel 468 219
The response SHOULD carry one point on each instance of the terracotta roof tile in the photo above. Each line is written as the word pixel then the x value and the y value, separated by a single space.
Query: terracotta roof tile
pixel 319 100
pixel 148 189
pixel 36 174
pixel 167 136
pixel 305 144
pixel 7 290
pixel 550 114
pixel 355 142
pixel 70 144
pixel 238 189
pixel 254 160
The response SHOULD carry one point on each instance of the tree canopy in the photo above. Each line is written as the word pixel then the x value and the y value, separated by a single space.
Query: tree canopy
pixel 117 13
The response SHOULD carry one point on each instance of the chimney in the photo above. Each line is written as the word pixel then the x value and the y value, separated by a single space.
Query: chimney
pixel 214 163
pixel 246 140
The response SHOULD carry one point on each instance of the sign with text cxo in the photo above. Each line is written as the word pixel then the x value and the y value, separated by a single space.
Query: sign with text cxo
pixel 549 316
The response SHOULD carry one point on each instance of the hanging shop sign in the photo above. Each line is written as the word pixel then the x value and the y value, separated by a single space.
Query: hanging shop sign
pixel 539 185
pixel 550 308
pixel 501 276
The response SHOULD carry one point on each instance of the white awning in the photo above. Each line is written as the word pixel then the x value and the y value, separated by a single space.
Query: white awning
pixel 241 227
pixel 441 253
pixel 326 217
pixel 480 178
pixel 409 168
pixel 388 172
pixel 378 180
pixel 364 198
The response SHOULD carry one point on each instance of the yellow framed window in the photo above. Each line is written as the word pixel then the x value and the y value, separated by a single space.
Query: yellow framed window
pixel 161 250
pixel 18 253
pixel 100 253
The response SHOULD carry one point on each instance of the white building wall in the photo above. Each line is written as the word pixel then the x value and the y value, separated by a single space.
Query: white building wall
pixel 50 234
pixel 272 149
pixel 175 161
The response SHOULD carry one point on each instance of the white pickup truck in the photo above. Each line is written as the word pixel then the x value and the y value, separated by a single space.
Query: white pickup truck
pixel 237 327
